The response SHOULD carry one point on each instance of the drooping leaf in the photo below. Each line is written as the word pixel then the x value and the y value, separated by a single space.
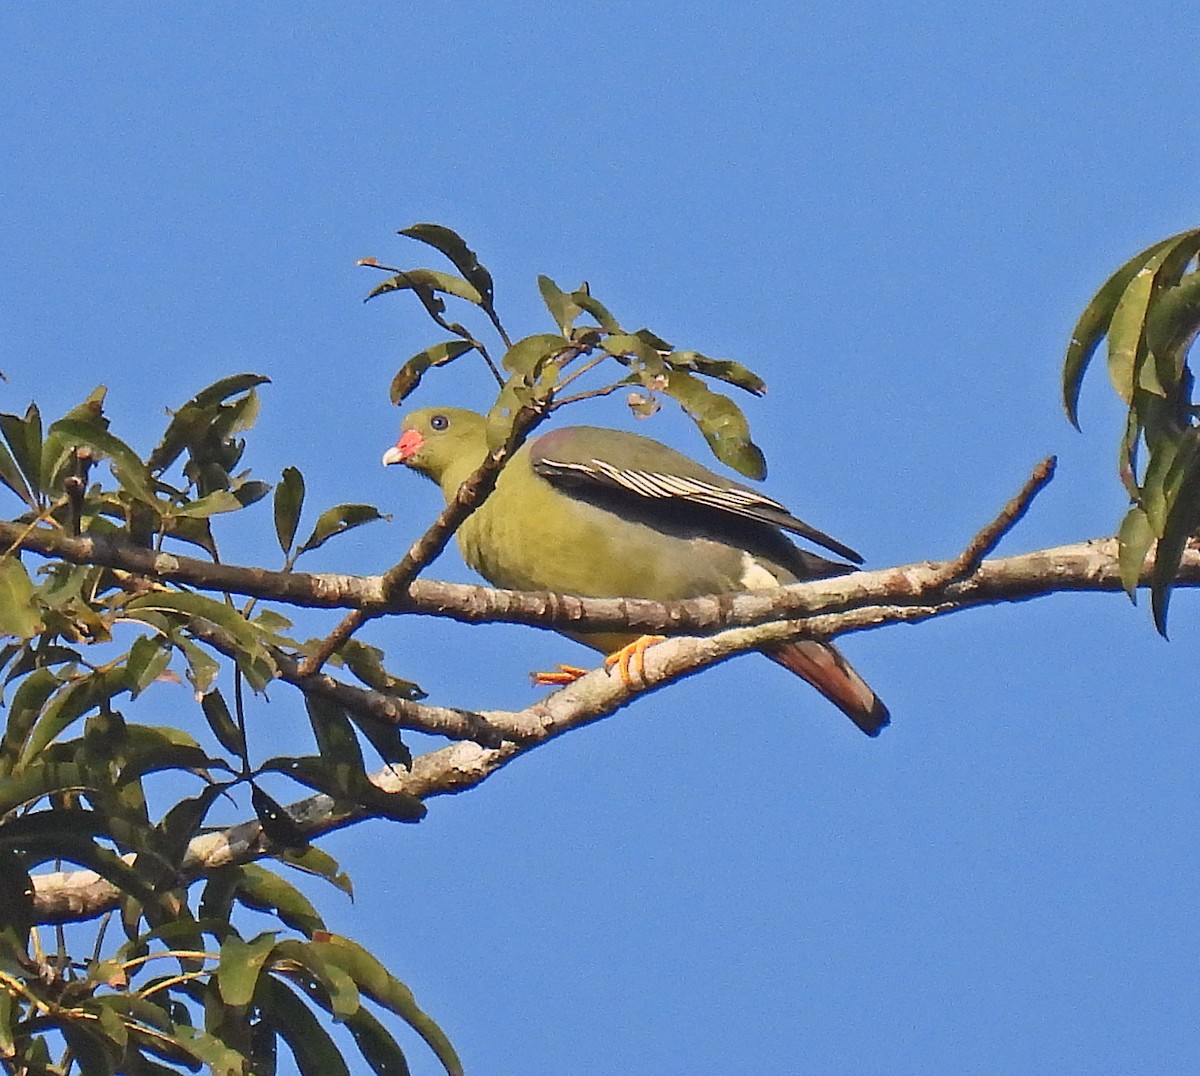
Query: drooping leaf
pixel 337 520
pixel 289 500
pixel 221 500
pixel 408 377
pixel 461 256
pixel 1183 519
pixel 183 821
pixel 20 616
pixel 220 720
pixel 10 475
pixel 311 1047
pixel 240 965
pixel 320 864
pixel 721 422
pixel 1171 326
pixel 266 891
pixel 71 702
pixel 1093 325
pixel 277 823
pixel 206 608
pixel 379 1049
pixel 336 741
pixel 338 992
pixel 374 980
pixel 1134 539
pixel 190 422
pixel 24 438
pixel 26 706
pixel 202 667
pixel 148 658
pixel 366 662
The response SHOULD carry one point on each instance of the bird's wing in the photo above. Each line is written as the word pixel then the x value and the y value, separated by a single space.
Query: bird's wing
pixel 655 484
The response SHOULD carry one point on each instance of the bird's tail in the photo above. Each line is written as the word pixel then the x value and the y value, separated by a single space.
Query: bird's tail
pixel 832 675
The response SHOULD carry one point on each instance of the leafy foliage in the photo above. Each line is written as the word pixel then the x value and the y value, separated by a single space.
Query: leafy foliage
pixel 1149 313
pixel 544 370
pixel 83 785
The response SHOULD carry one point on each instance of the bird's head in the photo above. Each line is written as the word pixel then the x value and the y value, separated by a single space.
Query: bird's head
pixel 444 443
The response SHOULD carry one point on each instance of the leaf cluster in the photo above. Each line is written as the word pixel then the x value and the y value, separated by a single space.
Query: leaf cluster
pixel 544 371
pixel 82 785
pixel 1148 313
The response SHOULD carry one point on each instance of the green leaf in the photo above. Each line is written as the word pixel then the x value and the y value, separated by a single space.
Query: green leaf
pixel 42 778
pixel 195 417
pixel 266 891
pixel 276 821
pixel 148 659
pixel 221 1060
pixel 563 308
pixel 65 435
pixel 240 966
pixel 218 613
pixel 428 281
pixel 720 421
pixel 408 377
pixel 26 707
pixel 320 864
pixel 221 500
pixel 528 355
pixel 338 520
pixel 183 821
pixel 366 663
pixel 379 1050
pixel 10 475
pixel 19 612
pixel 461 256
pixel 734 373
pixel 385 738
pixel 24 437
pixel 336 741
pixel 202 667
pixel 289 500
pixel 374 980
pixel 314 1051
pixel 1183 519
pixel 583 298
pixel 338 992
pixel 250 492
pixel 1093 325
pixel 71 702
pixel 1135 538
pixel 1171 326
pixel 220 720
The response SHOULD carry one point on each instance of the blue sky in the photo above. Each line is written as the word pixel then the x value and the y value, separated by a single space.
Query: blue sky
pixel 895 217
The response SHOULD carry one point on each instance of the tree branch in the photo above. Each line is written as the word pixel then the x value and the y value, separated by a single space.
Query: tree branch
pixel 859 602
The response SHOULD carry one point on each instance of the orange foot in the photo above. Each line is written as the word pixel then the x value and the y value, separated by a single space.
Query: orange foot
pixel 564 674
pixel 630 660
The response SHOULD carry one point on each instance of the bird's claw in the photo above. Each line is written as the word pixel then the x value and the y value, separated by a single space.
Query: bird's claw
pixel 564 674
pixel 630 660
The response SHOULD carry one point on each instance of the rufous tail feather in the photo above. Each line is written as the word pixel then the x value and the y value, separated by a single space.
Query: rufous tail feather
pixel 833 676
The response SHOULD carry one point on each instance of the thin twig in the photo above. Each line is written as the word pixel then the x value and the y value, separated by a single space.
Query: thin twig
pixel 968 561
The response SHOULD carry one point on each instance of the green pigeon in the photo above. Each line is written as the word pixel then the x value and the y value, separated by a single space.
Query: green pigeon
pixel 604 514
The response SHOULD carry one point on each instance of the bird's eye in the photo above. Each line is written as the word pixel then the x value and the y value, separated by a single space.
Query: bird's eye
pixel 439 422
